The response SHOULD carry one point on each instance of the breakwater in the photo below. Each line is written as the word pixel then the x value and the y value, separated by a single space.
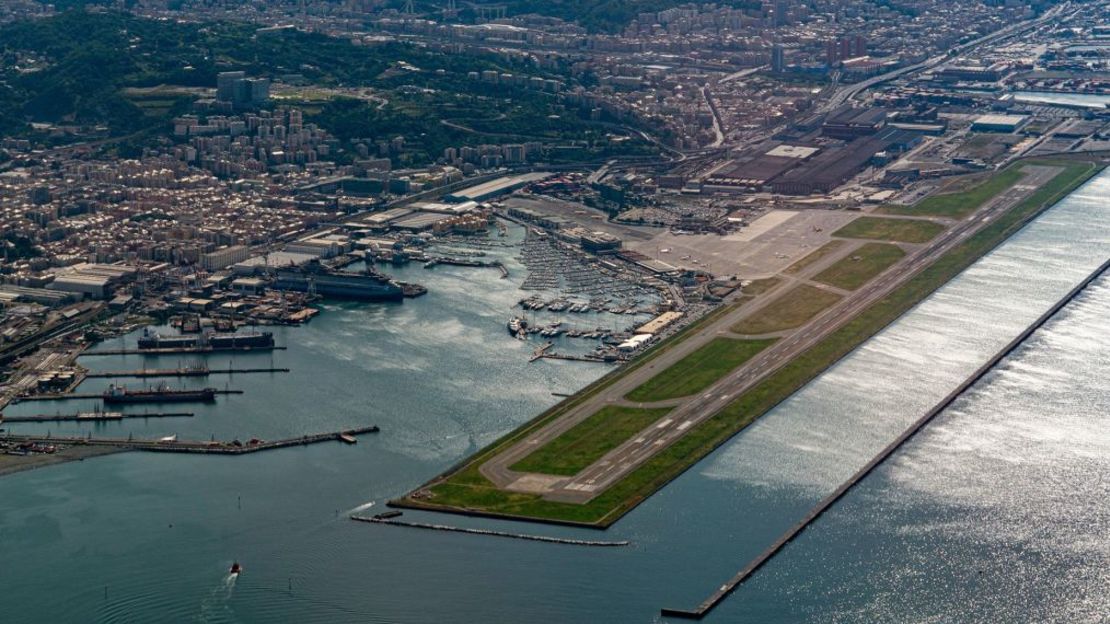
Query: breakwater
pixel 522 536
pixel 90 417
pixel 211 447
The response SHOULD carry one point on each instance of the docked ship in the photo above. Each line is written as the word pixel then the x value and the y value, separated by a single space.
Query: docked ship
pixel 209 341
pixel 315 278
pixel 161 394
pixel 517 326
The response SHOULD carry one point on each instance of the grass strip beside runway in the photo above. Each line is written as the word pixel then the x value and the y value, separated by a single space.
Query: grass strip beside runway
pixel 900 230
pixel 860 266
pixel 788 311
pixel 698 370
pixel 589 440
pixel 961 204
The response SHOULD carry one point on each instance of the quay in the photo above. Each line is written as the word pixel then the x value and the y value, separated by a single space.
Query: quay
pixel 724 590
pixel 172 445
pixel 522 536
pixel 172 350
pixel 89 395
pixel 90 417
pixel 202 371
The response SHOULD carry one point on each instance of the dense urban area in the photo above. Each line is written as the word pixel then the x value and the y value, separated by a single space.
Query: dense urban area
pixel 717 199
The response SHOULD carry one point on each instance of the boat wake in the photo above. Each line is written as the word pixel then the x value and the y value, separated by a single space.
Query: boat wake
pixel 359 508
pixel 215 607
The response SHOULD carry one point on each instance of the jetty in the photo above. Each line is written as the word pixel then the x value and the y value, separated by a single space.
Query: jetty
pixel 523 536
pixel 173 350
pixel 195 371
pixel 173 445
pixel 91 417
pixel 93 395
pixel 724 590
pixel 540 350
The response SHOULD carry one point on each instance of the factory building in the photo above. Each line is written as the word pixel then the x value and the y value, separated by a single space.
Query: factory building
pixel 495 188
pixel 754 173
pixel 999 123
pixel 849 123
pixel 11 294
pixel 93 280
pixel 834 167
pixel 93 286
pixel 973 73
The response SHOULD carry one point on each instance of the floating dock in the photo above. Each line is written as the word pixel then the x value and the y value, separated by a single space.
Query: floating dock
pixel 535 538
pixel 91 417
pixel 724 590
pixel 180 372
pixel 186 446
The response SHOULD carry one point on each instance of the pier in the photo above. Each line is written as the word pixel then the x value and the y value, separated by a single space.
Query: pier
pixel 522 536
pixel 181 372
pixel 211 447
pixel 173 350
pixel 90 417
pixel 540 350
pixel 92 395
pixel 724 590
pixel 573 358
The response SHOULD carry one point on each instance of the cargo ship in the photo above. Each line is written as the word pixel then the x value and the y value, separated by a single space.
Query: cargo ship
pixel 314 278
pixel 210 341
pixel 161 394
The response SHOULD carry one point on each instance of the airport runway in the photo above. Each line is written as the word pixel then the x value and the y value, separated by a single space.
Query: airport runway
pixel 616 464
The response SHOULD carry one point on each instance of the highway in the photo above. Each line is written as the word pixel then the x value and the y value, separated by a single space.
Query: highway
pixel 718 128
pixel 619 462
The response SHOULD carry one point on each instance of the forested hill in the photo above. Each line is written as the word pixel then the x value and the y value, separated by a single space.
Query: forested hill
pixel 73 66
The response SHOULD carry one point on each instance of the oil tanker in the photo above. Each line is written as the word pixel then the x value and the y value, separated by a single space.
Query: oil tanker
pixel 161 394
pixel 210 341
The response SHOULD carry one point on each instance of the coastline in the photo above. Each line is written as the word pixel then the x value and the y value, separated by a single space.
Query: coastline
pixel 12 464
